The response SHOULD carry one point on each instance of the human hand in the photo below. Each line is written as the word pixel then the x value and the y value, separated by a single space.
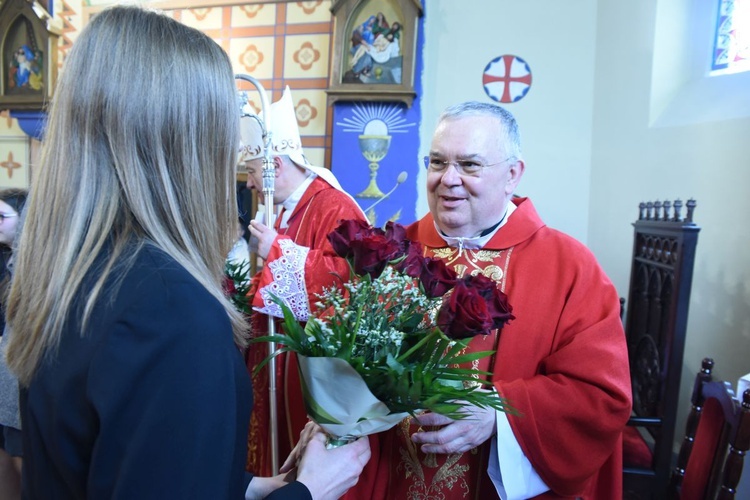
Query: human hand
pixel 304 437
pixel 265 236
pixel 261 487
pixel 457 436
pixel 330 473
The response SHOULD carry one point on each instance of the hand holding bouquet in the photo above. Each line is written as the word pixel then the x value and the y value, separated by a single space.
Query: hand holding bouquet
pixel 390 339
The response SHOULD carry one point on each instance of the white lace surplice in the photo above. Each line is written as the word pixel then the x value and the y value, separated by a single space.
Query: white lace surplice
pixel 288 282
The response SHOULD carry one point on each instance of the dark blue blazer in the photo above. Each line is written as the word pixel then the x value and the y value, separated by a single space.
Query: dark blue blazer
pixel 151 400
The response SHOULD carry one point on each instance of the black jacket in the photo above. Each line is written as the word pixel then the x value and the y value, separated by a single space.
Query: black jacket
pixel 152 400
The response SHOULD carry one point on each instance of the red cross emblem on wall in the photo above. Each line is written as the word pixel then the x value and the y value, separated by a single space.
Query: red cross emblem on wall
pixel 507 78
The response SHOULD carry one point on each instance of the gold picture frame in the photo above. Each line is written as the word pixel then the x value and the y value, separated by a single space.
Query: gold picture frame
pixel 374 50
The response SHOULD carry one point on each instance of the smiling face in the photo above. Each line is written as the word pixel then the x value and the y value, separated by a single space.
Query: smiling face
pixel 463 205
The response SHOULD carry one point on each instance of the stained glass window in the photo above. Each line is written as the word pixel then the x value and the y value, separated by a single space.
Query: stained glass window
pixel 732 41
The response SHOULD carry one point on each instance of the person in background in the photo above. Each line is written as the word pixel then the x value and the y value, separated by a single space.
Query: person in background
pixel 562 362
pixel 12 201
pixel 240 252
pixel 127 348
pixel 297 250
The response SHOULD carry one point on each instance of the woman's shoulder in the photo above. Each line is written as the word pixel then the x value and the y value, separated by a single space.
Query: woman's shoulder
pixel 156 273
pixel 154 284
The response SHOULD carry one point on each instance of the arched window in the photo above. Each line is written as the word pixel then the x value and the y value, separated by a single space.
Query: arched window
pixel 732 41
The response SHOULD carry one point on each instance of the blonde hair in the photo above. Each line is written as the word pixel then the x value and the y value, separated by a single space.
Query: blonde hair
pixel 140 148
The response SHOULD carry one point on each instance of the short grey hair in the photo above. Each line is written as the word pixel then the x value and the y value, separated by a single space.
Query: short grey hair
pixel 508 129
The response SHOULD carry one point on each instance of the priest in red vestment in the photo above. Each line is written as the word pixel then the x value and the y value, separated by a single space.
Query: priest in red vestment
pixel 562 362
pixel 299 263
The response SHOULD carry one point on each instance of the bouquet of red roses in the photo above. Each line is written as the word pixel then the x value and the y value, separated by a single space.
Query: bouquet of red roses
pixel 390 339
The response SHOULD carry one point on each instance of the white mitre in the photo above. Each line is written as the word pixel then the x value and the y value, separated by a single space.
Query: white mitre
pixel 285 138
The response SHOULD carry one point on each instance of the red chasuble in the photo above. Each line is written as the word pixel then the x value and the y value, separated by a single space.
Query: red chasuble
pixel 562 363
pixel 318 213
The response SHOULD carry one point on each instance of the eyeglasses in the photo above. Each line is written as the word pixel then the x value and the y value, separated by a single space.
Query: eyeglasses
pixel 6 216
pixel 463 167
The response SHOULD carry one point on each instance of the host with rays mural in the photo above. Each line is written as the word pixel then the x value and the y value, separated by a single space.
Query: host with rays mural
pixel 385 138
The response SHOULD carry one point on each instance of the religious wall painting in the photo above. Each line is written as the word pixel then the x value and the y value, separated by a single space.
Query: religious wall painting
pixel 507 79
pixel 29 56
pixel 25 70
pixel 375 124
pixel 373 50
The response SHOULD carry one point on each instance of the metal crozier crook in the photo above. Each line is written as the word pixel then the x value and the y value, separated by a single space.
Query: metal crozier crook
pixel 268 190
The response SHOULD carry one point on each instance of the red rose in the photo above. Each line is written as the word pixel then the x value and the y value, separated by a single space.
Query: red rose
pixel 345 233
pixel 476 306
pixel 413 260
pixel 436 277
pixel 397 233
pixel 368 249
pixel 500 309
pixel 371 253
pixel 228 286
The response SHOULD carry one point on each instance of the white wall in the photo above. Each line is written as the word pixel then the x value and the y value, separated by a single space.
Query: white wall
pixel 686 138
pixel 556 39
pixel 697 148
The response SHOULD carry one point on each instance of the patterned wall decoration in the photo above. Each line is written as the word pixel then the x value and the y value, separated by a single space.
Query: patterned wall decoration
pixel 68 18
pixel 15 153
pixel 280 44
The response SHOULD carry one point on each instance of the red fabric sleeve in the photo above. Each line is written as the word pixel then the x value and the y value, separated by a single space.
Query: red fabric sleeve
pixel 576 397
pixel 322 266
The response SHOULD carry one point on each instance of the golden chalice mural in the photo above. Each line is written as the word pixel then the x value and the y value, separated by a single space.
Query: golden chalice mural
pixel 375 123
pixel 374 148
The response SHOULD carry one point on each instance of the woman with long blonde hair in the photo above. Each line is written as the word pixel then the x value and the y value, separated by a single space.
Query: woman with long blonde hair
pixel 122 336
pixel 121 330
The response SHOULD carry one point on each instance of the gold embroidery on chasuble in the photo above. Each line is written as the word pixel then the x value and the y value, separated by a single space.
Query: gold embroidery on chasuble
pixel 437 477
pixel 471 261
pixel 429 484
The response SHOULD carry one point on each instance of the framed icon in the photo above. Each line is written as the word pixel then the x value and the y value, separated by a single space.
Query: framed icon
pixel 374 50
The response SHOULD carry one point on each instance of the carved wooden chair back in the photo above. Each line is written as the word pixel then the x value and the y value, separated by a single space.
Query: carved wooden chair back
pixel 656 321
pixel 716 440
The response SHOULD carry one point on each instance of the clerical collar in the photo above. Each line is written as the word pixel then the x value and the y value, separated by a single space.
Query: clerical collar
pixel 479 241
pixel 291 202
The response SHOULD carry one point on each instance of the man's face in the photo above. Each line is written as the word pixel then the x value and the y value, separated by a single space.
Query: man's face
pixel 464 205
pixel 255 176
pixel 284 180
